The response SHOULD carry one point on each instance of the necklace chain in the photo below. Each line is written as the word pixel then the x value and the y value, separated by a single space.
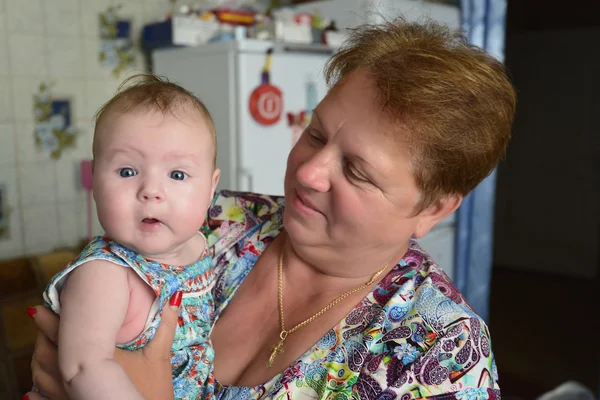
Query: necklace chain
pixel 276 350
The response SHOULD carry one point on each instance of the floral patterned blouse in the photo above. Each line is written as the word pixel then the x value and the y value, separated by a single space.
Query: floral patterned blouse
pixel 412 337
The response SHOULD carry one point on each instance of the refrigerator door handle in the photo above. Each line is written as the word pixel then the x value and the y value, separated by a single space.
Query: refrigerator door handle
pixel 249 178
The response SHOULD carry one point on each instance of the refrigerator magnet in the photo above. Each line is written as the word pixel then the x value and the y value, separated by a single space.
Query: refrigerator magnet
pixel 297 123
pixel 266 101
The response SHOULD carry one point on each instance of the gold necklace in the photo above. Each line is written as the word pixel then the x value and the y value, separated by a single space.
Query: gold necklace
pixel 278 349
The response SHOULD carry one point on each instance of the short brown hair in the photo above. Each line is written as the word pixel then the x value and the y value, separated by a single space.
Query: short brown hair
pixel 453 100
pixel 153 92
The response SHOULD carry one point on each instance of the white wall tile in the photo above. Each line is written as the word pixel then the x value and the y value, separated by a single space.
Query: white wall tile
pixel 73 89
pixel 97 93
pixel 13 245
pixel 136 68
pixel 63 17
pixel 134 12
pixel 68 186
pixel 155 10
pixel 8 179
pixel 38 183
pixel 86 127
pixel 93 68
pixel 25 16
pixel 97 229
pixel 65 57
pixel 85 139
pixel 41 228
pixel 81 150
pixel 27 151
pixel 5 101
pixel 3 17
pixel 4 66
pixel 89 16
pixel 23 90
pixel 72 216
pixel 7 144
pixel 54 41
pixel 27 54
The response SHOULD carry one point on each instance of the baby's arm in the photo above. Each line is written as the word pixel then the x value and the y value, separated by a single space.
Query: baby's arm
pixel 93 306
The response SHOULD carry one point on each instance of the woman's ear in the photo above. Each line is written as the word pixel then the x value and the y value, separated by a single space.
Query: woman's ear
pixel 435 213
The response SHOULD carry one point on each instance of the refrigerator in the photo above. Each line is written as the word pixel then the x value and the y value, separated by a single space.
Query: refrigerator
pixel 251 152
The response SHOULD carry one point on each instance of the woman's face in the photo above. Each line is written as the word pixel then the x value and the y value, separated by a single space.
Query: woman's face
pixel 348 183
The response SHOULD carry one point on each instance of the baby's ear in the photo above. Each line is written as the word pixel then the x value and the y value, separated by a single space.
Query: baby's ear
pixel 215 180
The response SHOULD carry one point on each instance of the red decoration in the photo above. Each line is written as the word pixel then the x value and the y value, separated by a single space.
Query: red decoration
pixel 266 104
pixel 235 17
pixel 304 19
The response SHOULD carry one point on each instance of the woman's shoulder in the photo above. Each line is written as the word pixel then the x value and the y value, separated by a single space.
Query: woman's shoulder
pixel 432 336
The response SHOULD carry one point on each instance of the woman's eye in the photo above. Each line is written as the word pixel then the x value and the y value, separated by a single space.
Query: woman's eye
pixel 314 138
pixel 178 175
pixel 353 174
pixel 127 172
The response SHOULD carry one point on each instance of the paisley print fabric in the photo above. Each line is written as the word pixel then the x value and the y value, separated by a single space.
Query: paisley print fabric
pixel 412 337
pixel 192 354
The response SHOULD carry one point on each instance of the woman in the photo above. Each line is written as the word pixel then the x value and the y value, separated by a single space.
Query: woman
pixel 331 297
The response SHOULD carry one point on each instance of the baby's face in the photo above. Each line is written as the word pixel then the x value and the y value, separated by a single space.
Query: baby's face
pixel 154 178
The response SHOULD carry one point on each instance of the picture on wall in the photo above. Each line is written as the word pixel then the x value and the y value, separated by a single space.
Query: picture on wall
pixel 54 130
pixel 116 45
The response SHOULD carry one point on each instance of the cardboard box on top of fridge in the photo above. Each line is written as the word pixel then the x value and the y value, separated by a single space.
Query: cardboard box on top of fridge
pixel 189 30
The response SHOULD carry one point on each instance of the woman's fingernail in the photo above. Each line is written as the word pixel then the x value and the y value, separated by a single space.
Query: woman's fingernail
pixel 175 300
pixel 31 311
pixel 25 397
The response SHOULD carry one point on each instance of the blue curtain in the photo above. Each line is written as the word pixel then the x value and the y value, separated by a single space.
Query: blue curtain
pixel 484 23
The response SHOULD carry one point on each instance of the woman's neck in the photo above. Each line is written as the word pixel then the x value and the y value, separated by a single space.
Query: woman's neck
pixel 323 270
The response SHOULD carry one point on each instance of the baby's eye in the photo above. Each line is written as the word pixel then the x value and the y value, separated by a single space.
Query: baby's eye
pixel 127 172
pixel 178 175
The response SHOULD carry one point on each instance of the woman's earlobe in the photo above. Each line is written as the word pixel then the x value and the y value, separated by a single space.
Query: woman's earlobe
pixel 435 213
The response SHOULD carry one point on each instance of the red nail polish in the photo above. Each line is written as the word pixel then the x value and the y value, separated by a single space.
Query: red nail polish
pixel 25 397
pixel 175 300
pixel 31 311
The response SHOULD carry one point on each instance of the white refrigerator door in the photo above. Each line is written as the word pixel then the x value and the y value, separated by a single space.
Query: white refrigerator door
pixel 263 150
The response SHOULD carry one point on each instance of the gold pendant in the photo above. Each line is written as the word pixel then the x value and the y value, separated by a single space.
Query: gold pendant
pixel 276 350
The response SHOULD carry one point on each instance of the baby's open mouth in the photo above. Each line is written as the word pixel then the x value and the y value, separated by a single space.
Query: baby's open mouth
pixel 150 221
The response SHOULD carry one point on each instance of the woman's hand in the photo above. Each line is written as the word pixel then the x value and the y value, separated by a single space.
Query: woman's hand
pixel 44 363
pixel 149 369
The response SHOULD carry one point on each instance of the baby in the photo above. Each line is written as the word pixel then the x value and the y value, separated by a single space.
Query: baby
pixel 154 178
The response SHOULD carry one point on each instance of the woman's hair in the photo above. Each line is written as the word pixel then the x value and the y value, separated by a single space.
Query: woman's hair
pixel 452 102
pixel 151 92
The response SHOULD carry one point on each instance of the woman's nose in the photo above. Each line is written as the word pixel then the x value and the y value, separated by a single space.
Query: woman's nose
pixel 315 173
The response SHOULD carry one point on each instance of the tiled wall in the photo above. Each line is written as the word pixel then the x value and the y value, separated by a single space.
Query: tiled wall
pixel 52 41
